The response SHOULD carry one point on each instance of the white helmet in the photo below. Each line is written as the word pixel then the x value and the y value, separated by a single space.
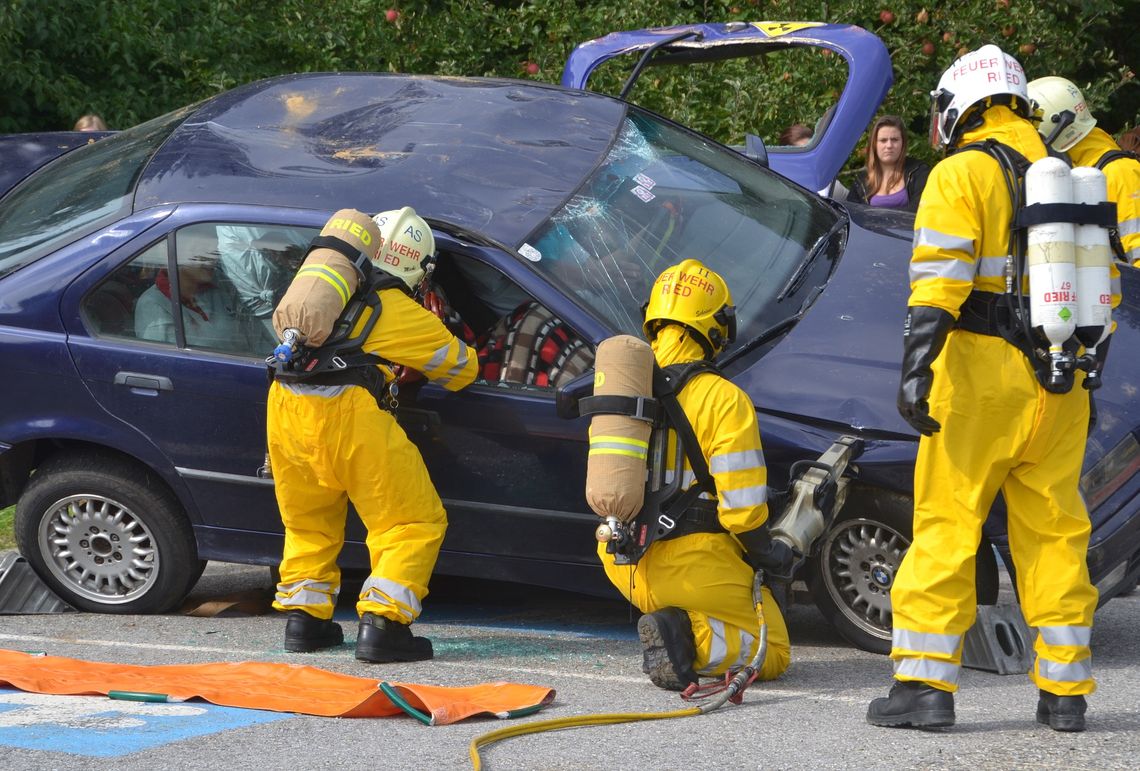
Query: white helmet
pixel 1065 117
pixel 406 242
pixel 980 79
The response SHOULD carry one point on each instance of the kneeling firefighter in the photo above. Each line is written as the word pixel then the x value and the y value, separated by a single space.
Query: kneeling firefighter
pixel 333 438
pixel 695 583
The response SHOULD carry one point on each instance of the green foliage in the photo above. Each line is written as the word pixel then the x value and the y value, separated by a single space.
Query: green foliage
pixel 131 60
pixel 7 535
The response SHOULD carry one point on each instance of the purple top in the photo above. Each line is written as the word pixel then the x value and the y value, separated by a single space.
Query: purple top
pixel 892 201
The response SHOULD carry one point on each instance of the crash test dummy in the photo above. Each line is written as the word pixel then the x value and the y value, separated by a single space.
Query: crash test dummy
pixel 987 422
pixel 332 439
pixel 695 586
pixel 1069 127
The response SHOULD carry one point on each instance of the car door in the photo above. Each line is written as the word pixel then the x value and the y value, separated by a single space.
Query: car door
pixel 190 376
pixel 511 473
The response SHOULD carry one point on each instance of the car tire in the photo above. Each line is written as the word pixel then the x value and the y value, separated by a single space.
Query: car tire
pixel 851 572
pixel 106 535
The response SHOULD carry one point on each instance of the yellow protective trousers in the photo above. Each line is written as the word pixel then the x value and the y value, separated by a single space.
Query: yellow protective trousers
pixel 325 450
pixel 1001 432
pixel 704 575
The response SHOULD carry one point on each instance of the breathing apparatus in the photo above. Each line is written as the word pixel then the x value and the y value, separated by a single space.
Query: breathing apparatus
pixel 1042 240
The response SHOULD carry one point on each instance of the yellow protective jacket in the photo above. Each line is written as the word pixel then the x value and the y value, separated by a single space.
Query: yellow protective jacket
pixel 724 421
pixel 410 335
pixel 1123 177
pixel 961 229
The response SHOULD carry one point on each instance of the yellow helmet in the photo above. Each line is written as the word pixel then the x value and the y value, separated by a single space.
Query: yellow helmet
pixel 1062 110
pixel 697 298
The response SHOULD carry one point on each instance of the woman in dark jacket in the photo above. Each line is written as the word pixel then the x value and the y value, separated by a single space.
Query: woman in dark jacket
pixel 891 179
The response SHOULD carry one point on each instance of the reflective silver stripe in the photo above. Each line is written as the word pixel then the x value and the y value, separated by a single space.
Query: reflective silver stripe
pixel 1129 227
pixel 306 593
pixel 1132 255
pixel 439 358
pixel 745 496
pixel 1065 635
pixel 990 267
pixel 1076 672
pixel 746 641
pixel 928 237
pixel 389 592
pixel 718 647
pixel 743 460
pixel 925 642
pixel 460 363
pixel 304 389
pixel 956 270
pixel 927 669
pixel 631 448
pixel 1114 283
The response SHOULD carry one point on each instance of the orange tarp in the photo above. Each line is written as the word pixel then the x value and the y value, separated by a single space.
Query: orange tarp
pixel 270 686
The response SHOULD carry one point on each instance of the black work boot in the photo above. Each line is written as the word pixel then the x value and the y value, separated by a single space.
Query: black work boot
pixel 1062 713
pixel 305 633
pixel 667 638
pixel 913 704
pixel 381 640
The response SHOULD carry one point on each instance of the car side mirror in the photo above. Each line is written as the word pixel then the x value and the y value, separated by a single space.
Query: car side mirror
pixel 568 395
pixel 754 148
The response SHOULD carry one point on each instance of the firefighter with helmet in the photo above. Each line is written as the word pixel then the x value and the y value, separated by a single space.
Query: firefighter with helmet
pixel 987 424
pixel 1069 127
pixel 330 442
pixel 687 630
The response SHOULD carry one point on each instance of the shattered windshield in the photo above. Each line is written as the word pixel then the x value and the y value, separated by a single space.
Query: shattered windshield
pixel 664 195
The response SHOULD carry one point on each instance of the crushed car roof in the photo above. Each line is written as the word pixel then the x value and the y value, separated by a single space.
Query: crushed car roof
pixel 493 156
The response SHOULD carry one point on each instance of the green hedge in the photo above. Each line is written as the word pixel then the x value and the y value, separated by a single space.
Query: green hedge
pixel 131 60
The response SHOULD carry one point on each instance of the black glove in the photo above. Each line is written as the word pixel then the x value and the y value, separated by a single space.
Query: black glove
pixel 776 558
pixel 1095 382
pixel 923 337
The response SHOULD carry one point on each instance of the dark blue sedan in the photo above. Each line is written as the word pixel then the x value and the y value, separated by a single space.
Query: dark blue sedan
pixel 133 450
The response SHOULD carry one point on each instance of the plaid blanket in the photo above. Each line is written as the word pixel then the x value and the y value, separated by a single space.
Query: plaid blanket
pixel 533 347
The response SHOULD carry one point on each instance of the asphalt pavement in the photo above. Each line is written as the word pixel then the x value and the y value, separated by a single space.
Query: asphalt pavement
pixel 584 648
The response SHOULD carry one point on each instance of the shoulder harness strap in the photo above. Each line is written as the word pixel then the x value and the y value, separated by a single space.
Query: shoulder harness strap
pixel 341 352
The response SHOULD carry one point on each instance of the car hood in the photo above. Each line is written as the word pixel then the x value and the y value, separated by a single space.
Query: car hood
pixel 852 335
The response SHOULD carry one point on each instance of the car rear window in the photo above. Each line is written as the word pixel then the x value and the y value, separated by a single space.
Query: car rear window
pixel 79 193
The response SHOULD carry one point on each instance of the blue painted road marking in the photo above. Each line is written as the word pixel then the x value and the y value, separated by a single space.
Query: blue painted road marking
pixel 96 726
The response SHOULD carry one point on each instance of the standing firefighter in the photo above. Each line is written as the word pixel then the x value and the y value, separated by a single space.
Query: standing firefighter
pixel 333 438
pixel 992 415
pixel 694 585
pixel 1069 127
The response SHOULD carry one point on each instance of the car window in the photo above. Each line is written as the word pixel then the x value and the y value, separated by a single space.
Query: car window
pixel 77 194
pixel 520 342
pixel 762 94
pixel 229 278
pixel 664 195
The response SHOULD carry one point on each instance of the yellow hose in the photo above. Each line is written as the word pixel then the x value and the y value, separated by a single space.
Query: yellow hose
pixel 568 722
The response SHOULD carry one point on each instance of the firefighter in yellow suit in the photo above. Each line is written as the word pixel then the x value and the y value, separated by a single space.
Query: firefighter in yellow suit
pixel 332 443
pixel 987 426
pixel 1069 127
pixel 696 589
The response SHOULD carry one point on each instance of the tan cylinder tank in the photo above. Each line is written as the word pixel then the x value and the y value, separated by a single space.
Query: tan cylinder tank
pixel 326 279
pixel 619 445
